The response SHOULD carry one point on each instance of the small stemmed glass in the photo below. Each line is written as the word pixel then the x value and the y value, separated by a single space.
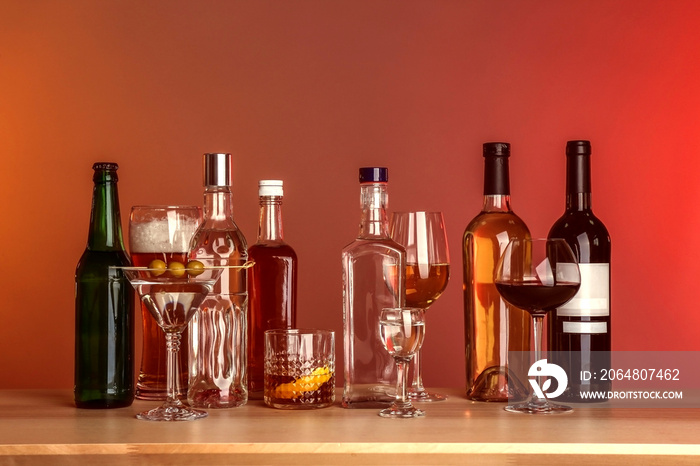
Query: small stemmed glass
pixel 402 330
pixel 172 295
pixel 538 275
pixel 423 236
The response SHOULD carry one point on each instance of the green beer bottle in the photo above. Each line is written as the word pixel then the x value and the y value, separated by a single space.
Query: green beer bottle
pixel 104 305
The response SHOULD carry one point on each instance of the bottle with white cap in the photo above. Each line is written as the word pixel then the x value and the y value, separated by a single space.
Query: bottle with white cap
pixel 217 343
pixel 273 282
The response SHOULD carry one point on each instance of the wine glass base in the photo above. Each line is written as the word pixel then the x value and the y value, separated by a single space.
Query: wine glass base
pixel 172 413
pixel 538 408
pixel 158 394
pixel 402 411
pixel 421 395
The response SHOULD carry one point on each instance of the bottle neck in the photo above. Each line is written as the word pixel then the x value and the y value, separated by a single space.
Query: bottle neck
pixel 496 184
pixel 374 222
pixel 105 218
pixel 496 203
pixel 578 182
pixel 218 204
pixel 270 224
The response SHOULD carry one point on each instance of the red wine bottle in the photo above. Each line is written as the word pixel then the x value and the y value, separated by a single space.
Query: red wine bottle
pixel 580 331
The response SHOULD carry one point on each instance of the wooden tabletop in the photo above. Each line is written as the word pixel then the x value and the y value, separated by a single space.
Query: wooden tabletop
pixel 40 426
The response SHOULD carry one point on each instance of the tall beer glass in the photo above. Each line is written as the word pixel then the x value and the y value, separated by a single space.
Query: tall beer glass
pixel 164 233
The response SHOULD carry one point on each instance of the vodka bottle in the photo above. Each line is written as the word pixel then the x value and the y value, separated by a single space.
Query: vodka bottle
pixel 373 279
pixel 217 340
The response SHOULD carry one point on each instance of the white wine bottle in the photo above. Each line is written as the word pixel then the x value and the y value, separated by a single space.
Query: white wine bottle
pixel 492 327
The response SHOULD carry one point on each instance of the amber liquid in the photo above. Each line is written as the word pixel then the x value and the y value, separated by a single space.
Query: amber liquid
pixel 307 395
pixel 152 382
pixel 492 326
pixel 272 303
pixel 399 343
pixel 423 287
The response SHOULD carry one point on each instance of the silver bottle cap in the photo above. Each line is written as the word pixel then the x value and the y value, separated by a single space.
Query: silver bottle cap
pixel 217 169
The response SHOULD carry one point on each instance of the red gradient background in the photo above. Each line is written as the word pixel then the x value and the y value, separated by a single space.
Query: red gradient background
pixel 311 90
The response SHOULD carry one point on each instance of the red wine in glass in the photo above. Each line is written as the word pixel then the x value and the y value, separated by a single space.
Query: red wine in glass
pixel 536 298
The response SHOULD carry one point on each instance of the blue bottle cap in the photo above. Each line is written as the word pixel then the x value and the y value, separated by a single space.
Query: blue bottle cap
pixel 374 175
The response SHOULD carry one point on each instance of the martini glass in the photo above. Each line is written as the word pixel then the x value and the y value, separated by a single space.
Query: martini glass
pixel 172 294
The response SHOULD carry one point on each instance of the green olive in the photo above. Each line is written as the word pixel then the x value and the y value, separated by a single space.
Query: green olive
pixel 158 267
pixel 177 270
pixel 195 268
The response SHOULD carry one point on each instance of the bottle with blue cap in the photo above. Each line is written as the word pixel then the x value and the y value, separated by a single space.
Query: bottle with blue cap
pixel 217 340
pixel 373 279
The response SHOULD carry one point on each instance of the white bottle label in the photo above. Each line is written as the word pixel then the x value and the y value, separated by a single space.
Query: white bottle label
pixel 593 297
pixel 585 327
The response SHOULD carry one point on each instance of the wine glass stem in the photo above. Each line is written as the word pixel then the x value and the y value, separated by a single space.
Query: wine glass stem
pixel 417 385
pixel 537 329
pixel 401 380
pixel 537 335
pixel 172 343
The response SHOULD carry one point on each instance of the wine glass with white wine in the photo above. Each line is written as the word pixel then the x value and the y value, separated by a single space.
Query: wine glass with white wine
pixel 402 330
pixel 423 236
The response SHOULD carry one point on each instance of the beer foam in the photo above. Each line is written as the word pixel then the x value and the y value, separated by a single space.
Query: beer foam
pixel 161 236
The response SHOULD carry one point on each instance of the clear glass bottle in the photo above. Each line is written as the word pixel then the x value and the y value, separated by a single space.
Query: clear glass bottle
pixel 373 279
pixel 104 304
pixel 217 342
pixel 492 327
pixel 273 282
pixel 579 331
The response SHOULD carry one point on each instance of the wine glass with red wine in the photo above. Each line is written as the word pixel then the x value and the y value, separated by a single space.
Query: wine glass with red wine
pixel 423 236
pixel 537 275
